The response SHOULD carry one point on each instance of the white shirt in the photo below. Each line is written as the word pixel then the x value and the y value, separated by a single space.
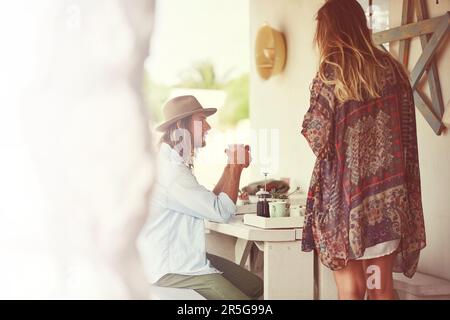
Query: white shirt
pixel 380 250
pixel 173 238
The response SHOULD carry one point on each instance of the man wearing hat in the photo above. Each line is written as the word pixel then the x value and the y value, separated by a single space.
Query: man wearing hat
pixel 172 242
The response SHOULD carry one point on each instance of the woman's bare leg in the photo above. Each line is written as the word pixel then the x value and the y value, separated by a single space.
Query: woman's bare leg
pixel 351 281
pixel 379 277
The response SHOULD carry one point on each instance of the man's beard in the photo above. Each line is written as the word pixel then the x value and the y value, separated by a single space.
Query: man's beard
pixel 198 145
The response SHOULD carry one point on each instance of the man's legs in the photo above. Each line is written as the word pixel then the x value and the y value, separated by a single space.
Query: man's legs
pixel 235 283
pixel 211 286
pixel 247 282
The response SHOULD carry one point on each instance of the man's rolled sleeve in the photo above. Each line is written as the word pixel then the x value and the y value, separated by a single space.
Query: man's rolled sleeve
pixel 228 206
pixel 189 197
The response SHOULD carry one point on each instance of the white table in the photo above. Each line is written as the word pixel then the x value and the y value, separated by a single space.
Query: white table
pixel 288 272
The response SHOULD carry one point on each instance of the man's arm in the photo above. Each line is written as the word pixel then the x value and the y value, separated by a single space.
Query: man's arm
pixel 187 196
pixel 231 184
pixel 219 186
pixel 231 176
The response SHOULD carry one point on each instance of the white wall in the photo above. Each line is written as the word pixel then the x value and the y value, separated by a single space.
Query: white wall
pixel 434 157
pixel 281 102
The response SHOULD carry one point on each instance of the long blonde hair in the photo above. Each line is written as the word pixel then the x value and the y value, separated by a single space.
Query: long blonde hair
pixel 180 133
pixel 347 49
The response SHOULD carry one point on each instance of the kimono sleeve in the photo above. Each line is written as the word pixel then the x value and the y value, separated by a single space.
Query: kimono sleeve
pixel 317 124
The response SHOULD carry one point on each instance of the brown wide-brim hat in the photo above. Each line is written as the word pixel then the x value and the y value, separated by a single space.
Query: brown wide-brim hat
pixel 182 107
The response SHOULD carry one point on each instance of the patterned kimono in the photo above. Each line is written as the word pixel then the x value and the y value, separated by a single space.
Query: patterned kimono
pixel 365 187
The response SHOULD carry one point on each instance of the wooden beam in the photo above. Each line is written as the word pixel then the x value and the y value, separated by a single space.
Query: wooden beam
pixel 242 251
pixel 405 44
pixel 439 27
pixel 433 76
pixel 426 102
pixel 430 50
pixel 435 123
pixel 408 31
pixel 382 47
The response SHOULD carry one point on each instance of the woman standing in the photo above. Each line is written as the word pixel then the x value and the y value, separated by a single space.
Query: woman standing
pixel 364 209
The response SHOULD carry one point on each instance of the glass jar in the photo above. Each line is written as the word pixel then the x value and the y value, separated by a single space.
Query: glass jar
pixel 262 206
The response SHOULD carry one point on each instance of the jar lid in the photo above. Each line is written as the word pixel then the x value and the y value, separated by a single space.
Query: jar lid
pixel 263 194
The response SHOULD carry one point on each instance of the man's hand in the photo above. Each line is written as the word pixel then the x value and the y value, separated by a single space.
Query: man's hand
pixel 238 155
pixel 238 159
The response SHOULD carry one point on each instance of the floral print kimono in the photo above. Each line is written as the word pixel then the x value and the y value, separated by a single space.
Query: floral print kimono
pixel 365 187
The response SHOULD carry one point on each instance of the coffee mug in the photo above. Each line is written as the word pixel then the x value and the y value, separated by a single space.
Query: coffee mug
pixel 277 209
pixel 296 211
pixel 241 150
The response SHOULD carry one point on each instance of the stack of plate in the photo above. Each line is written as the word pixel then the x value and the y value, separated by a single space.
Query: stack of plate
pixel 274 223
pixel 246 208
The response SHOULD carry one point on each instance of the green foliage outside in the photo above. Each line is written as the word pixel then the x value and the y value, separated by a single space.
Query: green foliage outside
pixel 236 103
pixel 155 96
pixel 203 76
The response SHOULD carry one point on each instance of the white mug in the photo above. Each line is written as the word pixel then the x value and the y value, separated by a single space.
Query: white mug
pixel 241 151
pixel 296 211
pixel 277 209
